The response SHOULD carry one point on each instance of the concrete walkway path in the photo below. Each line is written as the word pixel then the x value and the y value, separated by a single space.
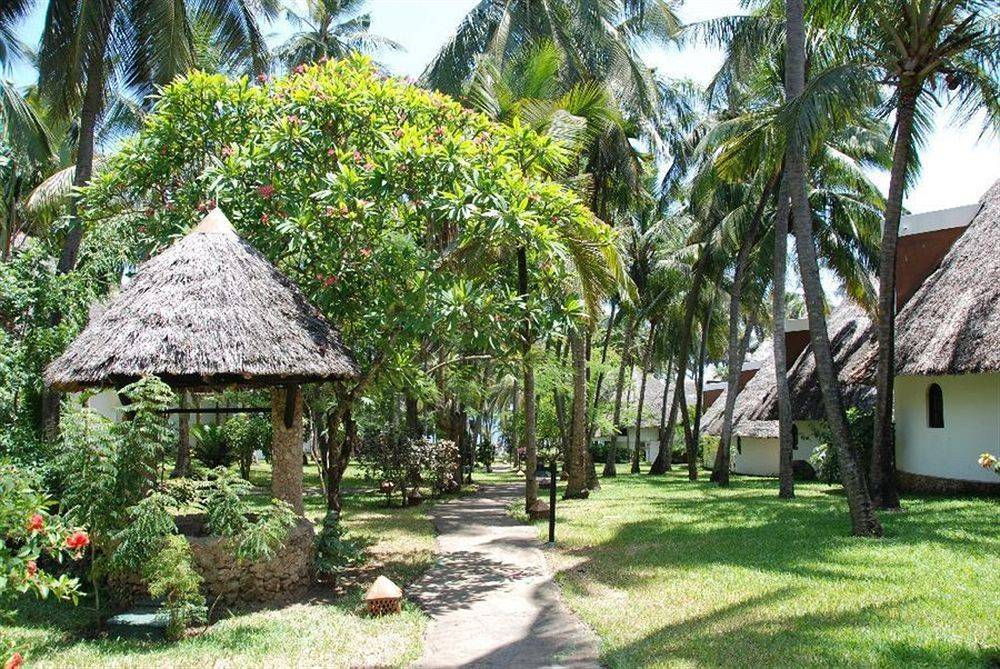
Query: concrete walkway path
pixel 491 597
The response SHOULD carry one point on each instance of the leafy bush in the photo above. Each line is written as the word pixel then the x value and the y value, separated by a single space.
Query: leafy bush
pixel 109 476
pixel 486 453
pixel 244 435
pixel 172 578
pixel 824 459
pixel 27 532
pixel 334 551
pixel 398 465
pixel 251 537
pixel 211 446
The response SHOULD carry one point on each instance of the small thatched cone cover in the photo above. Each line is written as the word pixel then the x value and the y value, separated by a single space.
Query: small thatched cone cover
pixel 208 311
pixel 383 597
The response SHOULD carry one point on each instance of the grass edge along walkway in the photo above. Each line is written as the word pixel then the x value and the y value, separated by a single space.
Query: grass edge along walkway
pixel 675 574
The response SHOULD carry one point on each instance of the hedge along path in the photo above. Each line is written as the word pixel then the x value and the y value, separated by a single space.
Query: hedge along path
pixel 491 596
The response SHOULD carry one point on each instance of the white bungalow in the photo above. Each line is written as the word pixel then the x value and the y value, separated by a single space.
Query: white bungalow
pixel 654 411
pixel 947 388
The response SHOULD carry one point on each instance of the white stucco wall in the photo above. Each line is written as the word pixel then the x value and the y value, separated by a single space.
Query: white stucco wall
pixel 759 456
pixel 971 426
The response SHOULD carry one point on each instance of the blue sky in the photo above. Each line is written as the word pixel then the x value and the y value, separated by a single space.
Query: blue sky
pixel 958 165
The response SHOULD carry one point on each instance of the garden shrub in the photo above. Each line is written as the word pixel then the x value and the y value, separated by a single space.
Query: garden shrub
pixel 110 472
pixel 172 578
pixel 211 446
pixel 399 464
pixel 486 453
pixel 244 435
pixel 28 531
pixel 824 459
pixel 335 552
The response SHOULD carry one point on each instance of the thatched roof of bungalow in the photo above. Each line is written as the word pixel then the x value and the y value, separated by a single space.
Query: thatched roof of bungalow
pixel 951 325
pixel 852 338
pixel 208 311
pixel 748 400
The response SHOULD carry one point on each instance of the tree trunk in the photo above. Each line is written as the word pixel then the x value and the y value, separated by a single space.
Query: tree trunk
pixel 699 384
pixel 93 101
pixel 720 473
pixel 786 479
pixel 610 463
pixel 664 438
pixel 286 446
pixel 576 485
pixel 883 466
pixel 864 522
pixel 592 419
pixel 647 356
pixel 530 443
pixel 690 447
pixel 515 447
pixel 182 467
pixel 690 303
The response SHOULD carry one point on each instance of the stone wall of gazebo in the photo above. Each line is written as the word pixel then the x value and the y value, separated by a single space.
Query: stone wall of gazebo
pixel 283 578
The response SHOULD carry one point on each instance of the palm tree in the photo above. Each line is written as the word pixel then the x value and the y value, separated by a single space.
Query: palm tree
pixel 331 29
pixel 928 50
pixel 88 49
pixel 863 519
pixel 598 41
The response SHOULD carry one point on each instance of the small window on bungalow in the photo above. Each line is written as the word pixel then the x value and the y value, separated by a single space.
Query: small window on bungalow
pixel 795 437
pixel 935 406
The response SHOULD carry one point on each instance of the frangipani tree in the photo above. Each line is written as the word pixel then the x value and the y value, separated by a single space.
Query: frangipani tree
pixel 362 189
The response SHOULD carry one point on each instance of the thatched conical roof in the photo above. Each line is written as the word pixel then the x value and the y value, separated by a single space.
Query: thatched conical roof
pixel 208 311
pixel 951 325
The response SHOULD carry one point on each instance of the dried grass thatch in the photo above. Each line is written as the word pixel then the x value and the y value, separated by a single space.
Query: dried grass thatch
pixel 754 393
pixel 852 338
pixel 951 325
pixel 209 311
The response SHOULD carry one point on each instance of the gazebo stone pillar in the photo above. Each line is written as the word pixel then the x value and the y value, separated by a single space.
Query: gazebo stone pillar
pixel 286 445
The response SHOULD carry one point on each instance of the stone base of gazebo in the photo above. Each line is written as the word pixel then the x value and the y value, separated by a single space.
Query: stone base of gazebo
pixel 282 578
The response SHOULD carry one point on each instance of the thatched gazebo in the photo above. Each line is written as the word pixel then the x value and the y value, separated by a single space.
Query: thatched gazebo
pixel 211 312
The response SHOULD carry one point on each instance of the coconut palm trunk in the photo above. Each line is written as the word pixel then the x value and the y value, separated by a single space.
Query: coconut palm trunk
pixel 665 438
pixel 647 357
pixel 699 405
pixel 610 464
pixel 786 482
pixel 592 419
pixel 576 484
pixel 723 456
pixel 690 304
pixel 863 519
pixel 721 474
pixel 885 495
pixel 530 443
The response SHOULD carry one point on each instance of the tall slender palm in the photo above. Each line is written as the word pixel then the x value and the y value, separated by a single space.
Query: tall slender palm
pixel 331 29
pixel 89 48
pixel 928 50
pixel 863 519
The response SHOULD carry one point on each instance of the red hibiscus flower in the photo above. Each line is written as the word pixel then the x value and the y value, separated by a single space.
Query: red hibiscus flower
pixel 266 191
pixel 16 661
pixel 78 540
pixel 36 523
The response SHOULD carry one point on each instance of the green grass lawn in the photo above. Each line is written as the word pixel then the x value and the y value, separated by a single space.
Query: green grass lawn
pixel 323 629
pixel 678 574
